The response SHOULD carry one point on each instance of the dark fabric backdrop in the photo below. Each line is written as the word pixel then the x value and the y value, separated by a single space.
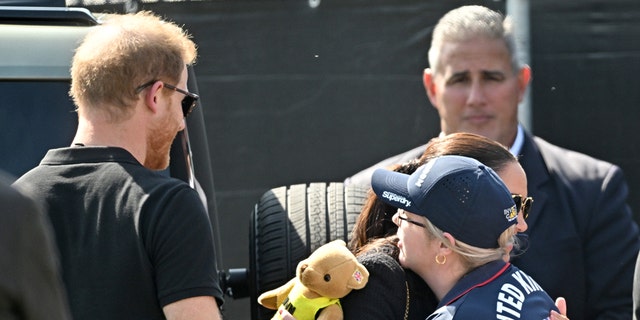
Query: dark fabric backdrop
pixel 295 94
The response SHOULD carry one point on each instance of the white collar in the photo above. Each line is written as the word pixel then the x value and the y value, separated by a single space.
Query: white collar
pixel 516 147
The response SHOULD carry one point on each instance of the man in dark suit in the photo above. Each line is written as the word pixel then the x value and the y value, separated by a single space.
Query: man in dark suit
pixel 582 240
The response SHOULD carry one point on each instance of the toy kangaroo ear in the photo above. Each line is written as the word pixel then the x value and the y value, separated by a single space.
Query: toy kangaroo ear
pixel 338 242
pixel 268 300
pixel 359 277
pixel 302 265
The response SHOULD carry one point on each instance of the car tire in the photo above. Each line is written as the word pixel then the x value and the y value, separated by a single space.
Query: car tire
pixel 290 222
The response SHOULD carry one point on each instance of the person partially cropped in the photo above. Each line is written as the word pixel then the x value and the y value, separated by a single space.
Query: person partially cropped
pixel 30 283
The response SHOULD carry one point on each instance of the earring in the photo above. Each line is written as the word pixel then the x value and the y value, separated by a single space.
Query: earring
pixel 444 259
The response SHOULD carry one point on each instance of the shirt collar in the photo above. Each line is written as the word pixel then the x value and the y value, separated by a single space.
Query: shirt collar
pixel 516 147
pixel 478 277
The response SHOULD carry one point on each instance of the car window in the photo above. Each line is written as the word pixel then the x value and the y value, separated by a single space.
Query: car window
pixel 34 116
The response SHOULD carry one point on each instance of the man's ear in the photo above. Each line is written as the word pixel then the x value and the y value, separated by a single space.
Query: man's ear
pixel 152 96
pixel 524 77
pixel 429 85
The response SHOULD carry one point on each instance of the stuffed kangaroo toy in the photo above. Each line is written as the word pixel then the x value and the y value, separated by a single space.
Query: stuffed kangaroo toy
pixel 330 273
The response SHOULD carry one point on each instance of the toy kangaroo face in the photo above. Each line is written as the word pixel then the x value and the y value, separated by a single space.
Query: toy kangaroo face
pixel 333 276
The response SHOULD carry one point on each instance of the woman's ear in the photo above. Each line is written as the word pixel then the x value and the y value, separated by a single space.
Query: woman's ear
pixel 445 248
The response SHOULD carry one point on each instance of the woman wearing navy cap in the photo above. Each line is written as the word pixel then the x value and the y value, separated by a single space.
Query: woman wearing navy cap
pixel 456 225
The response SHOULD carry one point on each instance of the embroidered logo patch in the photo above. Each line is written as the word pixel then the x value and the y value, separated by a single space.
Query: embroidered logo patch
pixel 397 198
pixel 511 213
pixel 358 276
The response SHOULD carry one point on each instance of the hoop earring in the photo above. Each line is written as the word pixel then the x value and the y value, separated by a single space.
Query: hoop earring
pixel 444 259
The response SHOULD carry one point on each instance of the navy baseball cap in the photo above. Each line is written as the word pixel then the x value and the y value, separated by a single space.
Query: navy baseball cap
pixel 459 195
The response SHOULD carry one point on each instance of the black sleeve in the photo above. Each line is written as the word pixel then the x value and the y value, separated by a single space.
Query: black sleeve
pixel 611 248
pixel 384 296
pixel 183 252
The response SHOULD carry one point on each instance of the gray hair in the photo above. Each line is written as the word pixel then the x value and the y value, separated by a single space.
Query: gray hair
pixel 468 22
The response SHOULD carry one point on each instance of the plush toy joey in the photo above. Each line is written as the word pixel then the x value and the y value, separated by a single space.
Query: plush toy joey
pixel 330 273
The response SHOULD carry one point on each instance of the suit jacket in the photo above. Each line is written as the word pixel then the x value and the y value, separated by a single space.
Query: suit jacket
pixel 583 241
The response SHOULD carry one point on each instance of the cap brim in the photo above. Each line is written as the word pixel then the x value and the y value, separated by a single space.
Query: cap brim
pixel 391 188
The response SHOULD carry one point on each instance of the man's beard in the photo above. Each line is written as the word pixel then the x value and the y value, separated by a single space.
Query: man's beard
pixel 159 145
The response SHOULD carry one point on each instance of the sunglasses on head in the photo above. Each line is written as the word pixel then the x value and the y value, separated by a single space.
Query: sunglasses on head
pixel 523 204
pixel 188 102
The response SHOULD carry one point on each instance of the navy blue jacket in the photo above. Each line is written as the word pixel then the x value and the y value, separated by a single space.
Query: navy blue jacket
pixel 496 290
pixel 583 241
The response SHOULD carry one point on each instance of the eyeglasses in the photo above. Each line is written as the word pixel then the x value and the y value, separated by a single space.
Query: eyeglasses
pixel 523 203
pixel 189 101
pixel 397 218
